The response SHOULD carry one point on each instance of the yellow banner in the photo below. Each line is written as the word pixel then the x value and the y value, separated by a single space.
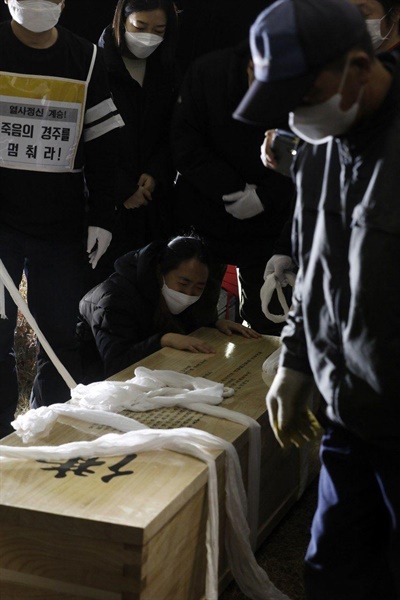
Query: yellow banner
pixel 41 121
pixel 36 87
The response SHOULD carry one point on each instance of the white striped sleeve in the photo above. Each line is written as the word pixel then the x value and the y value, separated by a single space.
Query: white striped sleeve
pixel 100 119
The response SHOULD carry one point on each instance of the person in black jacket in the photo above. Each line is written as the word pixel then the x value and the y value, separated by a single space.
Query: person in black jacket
pixel 344 103
pixel 139 48
pixel 382 18
pixel 223 190
pixel 156 297
pixel 57 167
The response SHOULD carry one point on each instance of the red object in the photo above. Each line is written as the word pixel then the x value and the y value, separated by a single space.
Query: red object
pixel 231 286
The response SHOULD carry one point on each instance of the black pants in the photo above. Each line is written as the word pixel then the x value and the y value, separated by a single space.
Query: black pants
pixel 54 276
pixel 354 553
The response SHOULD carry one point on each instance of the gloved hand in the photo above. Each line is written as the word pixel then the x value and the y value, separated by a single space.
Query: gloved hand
pixel 287 403
pixel 278 264
pixel 97 243
pixel 243 204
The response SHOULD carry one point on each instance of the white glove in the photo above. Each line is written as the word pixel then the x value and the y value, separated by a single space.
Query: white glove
pixel 279 264
pixel 243 204
pixel 287 403
pixel 97 243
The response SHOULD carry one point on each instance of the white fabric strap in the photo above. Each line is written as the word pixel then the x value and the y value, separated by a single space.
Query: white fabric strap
pixel 253 581
pixel 2 301
pixel 19 301
pixel 271 284
pixel 38 423
pixel 254 459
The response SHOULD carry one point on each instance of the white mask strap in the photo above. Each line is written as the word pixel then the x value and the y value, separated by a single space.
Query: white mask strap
pixel 344 75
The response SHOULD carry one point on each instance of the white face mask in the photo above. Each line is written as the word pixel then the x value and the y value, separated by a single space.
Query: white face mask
pixel 316 124
pixel 142 44
pixel 374 30
pixel 176 301
pixel 35 15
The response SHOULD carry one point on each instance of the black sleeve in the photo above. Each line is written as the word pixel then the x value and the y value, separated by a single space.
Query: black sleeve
pixel 118 341
pixel 160 165
pixel 294 353
pixel 100 179
pixel 101 125
pixel 192 153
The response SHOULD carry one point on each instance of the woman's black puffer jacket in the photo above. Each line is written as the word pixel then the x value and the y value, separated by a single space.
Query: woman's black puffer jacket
pixel 128 316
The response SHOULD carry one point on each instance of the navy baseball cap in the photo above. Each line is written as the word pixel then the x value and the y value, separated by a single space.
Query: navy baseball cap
pixel 291 41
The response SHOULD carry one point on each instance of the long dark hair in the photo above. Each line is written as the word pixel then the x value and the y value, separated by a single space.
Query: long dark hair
pixel 125 8
pixel 180 249
pixel 390 7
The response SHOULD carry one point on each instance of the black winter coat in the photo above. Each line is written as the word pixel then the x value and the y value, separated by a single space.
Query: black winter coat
pixel 128 316
pixel 345 325
pixel 217 155
pixel 143 142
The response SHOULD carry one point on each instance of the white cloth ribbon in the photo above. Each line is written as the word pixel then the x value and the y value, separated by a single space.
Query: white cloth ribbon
pixel 2 300
pixel 270 285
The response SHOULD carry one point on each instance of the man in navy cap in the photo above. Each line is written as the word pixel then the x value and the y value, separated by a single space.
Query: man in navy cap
pixel 314 62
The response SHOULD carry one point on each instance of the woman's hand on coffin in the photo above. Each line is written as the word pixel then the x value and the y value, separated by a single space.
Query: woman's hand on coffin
pixel 228 327
pixel 186 342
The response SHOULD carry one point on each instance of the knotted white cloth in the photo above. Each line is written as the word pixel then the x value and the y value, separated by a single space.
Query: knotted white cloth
pixel 271 284
pixel 149 389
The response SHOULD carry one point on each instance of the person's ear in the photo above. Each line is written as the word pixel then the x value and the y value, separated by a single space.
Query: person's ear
pixel 362 62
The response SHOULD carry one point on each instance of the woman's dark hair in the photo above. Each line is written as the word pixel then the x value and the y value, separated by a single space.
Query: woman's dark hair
pixel 180 249
pixel 390 7
pixel 124 8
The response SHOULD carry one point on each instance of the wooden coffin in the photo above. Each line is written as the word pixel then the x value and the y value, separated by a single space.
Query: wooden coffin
pixel 133 527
